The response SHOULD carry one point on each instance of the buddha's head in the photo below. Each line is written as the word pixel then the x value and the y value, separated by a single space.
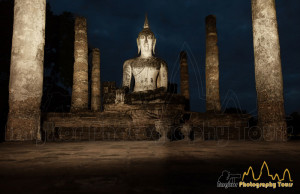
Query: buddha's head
pixel 146 40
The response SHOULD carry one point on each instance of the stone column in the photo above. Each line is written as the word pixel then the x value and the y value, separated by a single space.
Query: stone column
pixel 212 66
pixel 96 81
pixel 268 74
pixel 26 70
pixel 184 79
pixel 80 95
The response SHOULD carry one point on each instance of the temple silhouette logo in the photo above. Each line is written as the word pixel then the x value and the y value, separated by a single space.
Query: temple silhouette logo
pixel 265 179
pixel 275 181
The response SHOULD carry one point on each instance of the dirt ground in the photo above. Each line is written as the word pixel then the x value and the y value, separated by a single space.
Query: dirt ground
pixel 141 166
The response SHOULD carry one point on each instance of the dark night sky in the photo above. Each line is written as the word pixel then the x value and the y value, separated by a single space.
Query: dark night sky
pixel 113 26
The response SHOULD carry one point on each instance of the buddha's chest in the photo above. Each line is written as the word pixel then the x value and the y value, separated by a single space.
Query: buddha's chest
pixel 143 69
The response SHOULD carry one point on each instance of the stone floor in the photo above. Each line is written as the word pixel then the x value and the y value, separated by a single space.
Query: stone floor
pixel 140 166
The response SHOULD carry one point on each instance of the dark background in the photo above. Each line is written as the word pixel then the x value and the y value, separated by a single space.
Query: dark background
pixel 113 27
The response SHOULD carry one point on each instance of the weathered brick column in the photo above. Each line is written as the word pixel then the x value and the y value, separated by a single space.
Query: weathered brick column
pixel 26 70
pixel 96 81
pixel 268 74
pixel 212 66
pixel 80 77
pixel 184 79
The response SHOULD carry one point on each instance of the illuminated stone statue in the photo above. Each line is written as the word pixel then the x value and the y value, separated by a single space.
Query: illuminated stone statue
pixel 149 72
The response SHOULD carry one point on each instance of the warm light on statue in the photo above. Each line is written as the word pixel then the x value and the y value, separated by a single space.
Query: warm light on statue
pixel 149 72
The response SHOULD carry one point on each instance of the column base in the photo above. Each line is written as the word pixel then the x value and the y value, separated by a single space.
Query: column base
pixel 23 128
pixel 274 132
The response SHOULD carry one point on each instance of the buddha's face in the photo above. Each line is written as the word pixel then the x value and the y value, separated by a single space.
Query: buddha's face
pixel 146 42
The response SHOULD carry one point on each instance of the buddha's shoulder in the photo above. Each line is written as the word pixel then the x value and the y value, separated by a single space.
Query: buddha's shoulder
pixel 138 60
pixel 159 60
pixel 130 61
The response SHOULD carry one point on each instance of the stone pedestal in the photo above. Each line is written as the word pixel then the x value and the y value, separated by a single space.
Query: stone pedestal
pixel 80 76
pixel 268 74
pixel 96 82
pixel 26 70
pixel 212 66
pixel 184 79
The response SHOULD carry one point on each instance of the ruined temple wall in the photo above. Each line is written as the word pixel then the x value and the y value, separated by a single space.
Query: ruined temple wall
pixel 222 126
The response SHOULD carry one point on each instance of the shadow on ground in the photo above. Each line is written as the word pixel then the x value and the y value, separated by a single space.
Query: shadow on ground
pixel 140 167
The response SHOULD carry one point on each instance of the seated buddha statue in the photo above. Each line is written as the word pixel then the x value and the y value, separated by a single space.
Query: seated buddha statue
pixel 148 71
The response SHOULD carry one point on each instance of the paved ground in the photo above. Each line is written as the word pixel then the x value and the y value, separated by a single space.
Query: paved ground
pixel 140 167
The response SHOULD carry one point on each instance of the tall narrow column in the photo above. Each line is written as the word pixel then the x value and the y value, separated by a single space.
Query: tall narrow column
pixel 26 70
pixel 212 66
pixel 80 77
pixel 268 74
pixel 184 79
pixel 96 81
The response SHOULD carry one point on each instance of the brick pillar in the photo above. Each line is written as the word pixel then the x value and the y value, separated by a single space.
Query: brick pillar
pixel 80 77
pixel 268 74
pixel 96 95
pixel 26 70
pixel 184 79
pixel 212 66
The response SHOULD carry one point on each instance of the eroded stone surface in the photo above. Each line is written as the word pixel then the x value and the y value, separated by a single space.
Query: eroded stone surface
pixel 80 77
pixel 96 81
pixel 212 66
pixel 26 70
pixel 268 73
